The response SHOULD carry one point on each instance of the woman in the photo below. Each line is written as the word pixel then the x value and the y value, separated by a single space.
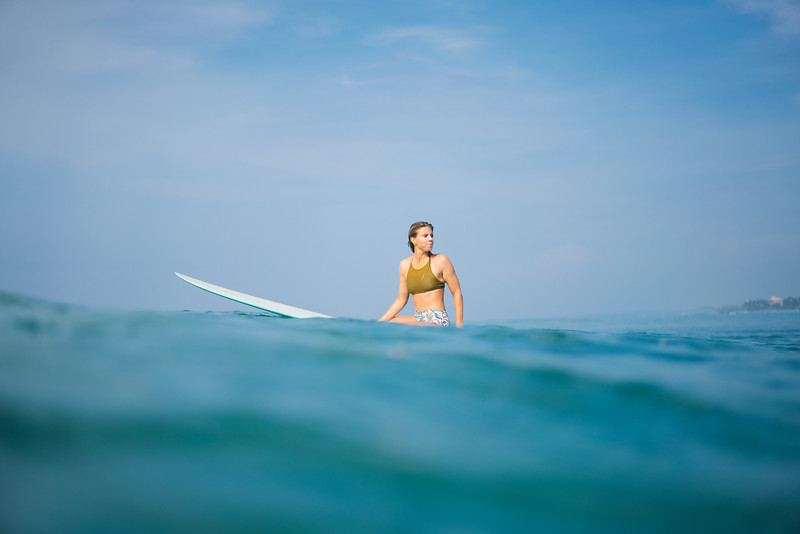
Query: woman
pixel 424 275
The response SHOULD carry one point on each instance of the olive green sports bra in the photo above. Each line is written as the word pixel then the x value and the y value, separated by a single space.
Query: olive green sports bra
pixel 422 280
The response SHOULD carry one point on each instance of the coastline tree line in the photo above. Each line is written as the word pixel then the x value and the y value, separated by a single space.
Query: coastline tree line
pixel 771 304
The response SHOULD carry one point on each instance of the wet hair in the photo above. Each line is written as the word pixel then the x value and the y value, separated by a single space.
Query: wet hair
pixel 412 232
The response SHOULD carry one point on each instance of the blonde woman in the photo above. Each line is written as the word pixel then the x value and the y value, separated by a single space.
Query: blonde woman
pixel 424 276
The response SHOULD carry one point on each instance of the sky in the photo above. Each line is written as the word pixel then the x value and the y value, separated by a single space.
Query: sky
pixel 575 157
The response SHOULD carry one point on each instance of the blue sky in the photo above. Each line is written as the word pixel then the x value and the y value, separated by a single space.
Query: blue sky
pixel 576 157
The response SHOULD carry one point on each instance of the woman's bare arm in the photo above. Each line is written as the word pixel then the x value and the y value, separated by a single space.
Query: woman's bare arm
pixel 401 300
pixel 451 279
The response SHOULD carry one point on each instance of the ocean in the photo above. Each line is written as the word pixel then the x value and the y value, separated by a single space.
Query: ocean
pixel 163 422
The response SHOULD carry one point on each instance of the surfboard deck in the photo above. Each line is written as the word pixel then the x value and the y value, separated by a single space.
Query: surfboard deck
pixel 249 300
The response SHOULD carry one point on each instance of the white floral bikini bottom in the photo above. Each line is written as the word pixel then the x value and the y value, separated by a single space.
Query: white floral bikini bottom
pixel 437 317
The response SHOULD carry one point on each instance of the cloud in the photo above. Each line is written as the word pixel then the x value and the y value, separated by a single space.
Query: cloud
pixel 181 19
pixel 97 82
pixel 441 38
pixel 314 28
pixel 784 14
pixel 97 37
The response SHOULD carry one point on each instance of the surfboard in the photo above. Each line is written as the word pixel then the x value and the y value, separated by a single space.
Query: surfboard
pixel 249 300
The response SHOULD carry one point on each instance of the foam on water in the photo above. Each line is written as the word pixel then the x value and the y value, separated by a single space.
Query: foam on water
pixel 208 422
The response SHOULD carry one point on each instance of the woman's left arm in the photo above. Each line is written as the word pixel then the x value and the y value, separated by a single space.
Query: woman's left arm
pixel 450 278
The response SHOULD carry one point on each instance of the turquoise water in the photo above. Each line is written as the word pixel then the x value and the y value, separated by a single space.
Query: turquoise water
pixel 240 422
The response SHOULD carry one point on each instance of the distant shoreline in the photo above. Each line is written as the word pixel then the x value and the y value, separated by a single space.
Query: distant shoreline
pixel 759 305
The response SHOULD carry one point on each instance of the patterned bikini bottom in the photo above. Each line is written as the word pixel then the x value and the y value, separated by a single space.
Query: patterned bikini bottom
pixel 437 317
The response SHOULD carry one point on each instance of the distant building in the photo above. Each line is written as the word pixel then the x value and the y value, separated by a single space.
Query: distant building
pixel 773 304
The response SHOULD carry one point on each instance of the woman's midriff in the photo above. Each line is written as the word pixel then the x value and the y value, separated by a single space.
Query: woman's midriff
pixel 430 300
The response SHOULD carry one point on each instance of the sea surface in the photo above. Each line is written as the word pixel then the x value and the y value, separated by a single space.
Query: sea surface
pixel 162 422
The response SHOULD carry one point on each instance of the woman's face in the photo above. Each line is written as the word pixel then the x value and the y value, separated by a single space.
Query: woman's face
pixel 424 239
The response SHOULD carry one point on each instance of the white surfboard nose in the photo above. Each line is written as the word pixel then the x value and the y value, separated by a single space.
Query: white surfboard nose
pixel 250 300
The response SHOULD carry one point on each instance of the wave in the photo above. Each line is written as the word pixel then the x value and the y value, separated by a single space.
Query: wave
pixel 175 421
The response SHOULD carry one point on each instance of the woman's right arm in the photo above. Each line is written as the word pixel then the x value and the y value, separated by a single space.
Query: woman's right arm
pixel 401 300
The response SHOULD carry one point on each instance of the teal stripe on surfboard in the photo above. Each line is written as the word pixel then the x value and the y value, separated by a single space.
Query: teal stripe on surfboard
pixel 249 300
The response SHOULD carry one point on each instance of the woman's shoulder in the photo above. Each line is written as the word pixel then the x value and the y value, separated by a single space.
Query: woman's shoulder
pixel 439 259
pixel 405 262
